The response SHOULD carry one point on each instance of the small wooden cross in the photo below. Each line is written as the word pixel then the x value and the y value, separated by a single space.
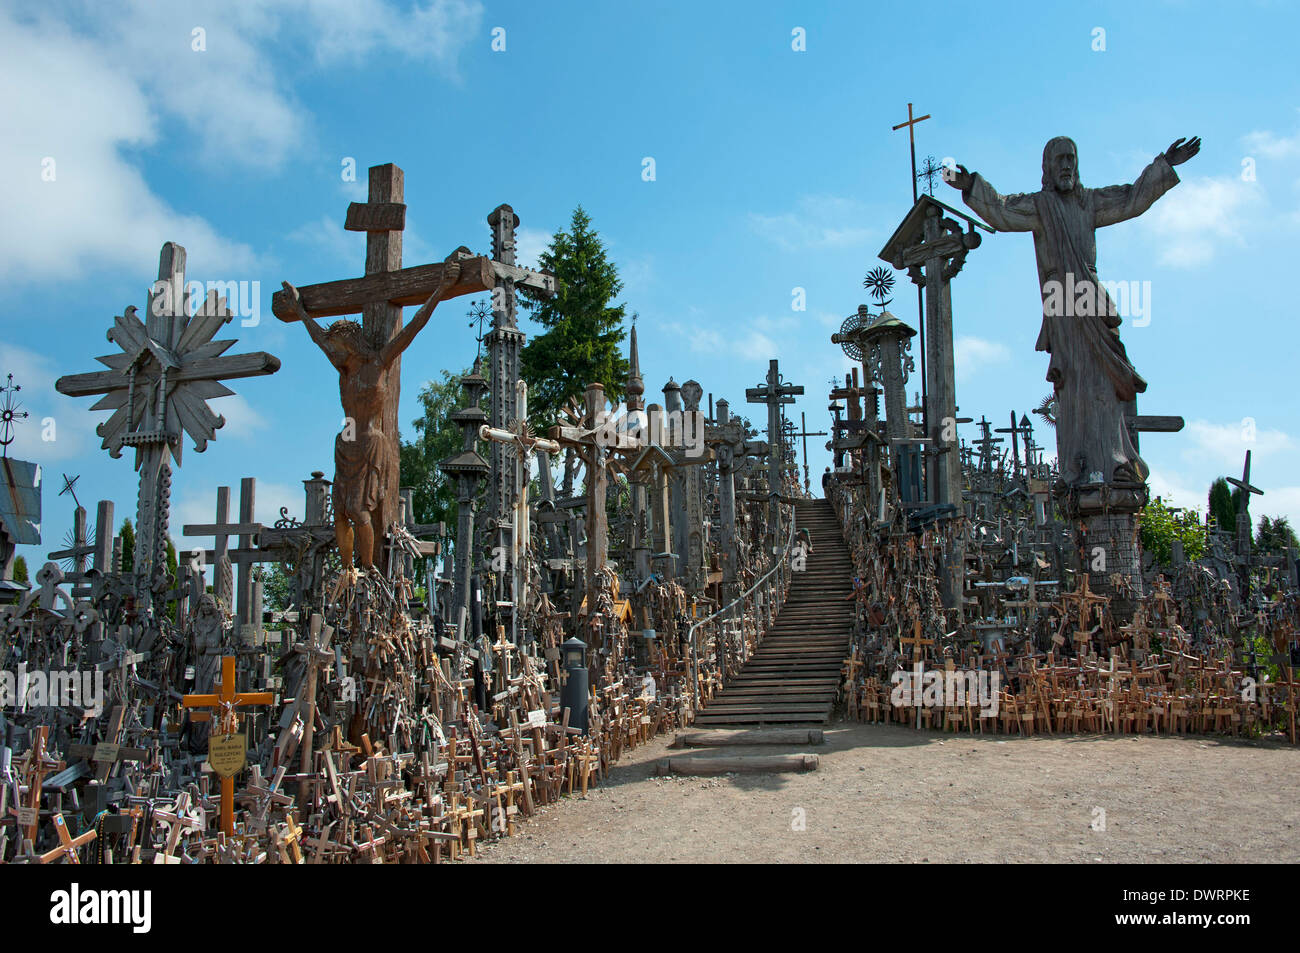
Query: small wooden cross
pixel 286 841
pixel 178 821
pixel 915 641
pixel 35 766
pixel 317 653
pixel 223 707
pixel 68 845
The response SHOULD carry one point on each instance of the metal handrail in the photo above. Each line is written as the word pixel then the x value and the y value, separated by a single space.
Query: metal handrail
pixel 779 568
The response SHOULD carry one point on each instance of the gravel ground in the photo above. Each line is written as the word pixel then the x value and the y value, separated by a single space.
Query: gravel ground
pixel 890 794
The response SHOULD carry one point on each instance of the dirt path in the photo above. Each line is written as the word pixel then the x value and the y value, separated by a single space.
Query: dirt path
pixel 886 793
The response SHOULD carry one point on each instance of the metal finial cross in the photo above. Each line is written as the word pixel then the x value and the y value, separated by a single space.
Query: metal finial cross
pixel 928 172
pixel 9 413
pixel 479 311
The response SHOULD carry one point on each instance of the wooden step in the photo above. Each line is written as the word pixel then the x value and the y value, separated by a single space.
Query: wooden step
pixel 697 766
pixel 719 739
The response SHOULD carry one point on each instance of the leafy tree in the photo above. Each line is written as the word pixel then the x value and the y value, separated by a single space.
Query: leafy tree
pixel 127 532
pixel 20 569
pixel 1274 535
pixel 277 587
pixel 584 328
pixel 1159 526
pixel 1223 505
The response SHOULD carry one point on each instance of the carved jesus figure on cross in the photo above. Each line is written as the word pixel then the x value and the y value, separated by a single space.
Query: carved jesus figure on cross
pixel 363 454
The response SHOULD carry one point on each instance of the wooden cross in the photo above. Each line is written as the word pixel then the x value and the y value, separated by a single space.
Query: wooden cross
pixel 387 287
pixel 80 548
pixel 237 596
pixel 915 641
pixel 911 142
pixel 805 433
pixel 158 388
pixel 286 841
pixel 322 846
pixel 773 393
pixel 224 704
pixel 316 652
pixel 68 845
pixel 1243 524
pixel 179 820
pixel 594 457
pixel 35 765
pixel 520 436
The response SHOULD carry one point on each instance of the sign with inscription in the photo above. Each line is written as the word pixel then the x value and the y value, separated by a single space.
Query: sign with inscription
pixel 105 751
pixel 227 754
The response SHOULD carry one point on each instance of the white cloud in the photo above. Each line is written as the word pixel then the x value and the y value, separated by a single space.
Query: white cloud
pixel 1169 486
pixel 51 415
pixel 529 244
pixel 355 30
pixel 1225 444
pixel 85 85
pixel 242 421
pixel 328 235
pixel 817 221
pixel 1193 221
pixel 1272 146
pixel 972 354
pixel 69 103
pixel 1282 501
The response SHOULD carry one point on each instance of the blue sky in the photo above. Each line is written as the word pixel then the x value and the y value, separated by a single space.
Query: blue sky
pixel 775 169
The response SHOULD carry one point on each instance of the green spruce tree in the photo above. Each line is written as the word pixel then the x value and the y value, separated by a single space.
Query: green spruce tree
pixel 127 532
pixel 584 329
pixel 1223 505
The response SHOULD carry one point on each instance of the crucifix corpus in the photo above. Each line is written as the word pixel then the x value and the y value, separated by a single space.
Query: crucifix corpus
pixel 368 355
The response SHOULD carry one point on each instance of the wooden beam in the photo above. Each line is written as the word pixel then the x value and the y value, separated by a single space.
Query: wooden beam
pixel 212 368
pixel 376 217
pixel 409 286
pixel 1147 424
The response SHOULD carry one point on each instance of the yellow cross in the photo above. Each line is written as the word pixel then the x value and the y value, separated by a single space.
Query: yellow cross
pixel 223 707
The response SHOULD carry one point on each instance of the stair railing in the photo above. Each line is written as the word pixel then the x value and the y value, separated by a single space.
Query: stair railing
pixel 759 604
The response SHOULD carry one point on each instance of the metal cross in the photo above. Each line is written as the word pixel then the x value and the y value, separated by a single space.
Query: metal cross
pixel 9 412
pixel 68 485
pixel 911 141
pixel 928 172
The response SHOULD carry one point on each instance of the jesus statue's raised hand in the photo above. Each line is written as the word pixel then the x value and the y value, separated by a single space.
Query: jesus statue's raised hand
pixel 1182 150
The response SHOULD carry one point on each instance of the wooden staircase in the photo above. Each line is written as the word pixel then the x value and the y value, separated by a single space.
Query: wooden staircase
pixel 793 676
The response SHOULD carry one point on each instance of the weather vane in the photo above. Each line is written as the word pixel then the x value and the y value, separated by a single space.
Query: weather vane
pixel 879 282
pixel 928 172
pixel 479 311
pixel 9 412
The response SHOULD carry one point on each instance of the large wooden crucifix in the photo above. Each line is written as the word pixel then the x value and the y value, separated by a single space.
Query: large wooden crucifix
pixel 379 297
pixel 158 387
